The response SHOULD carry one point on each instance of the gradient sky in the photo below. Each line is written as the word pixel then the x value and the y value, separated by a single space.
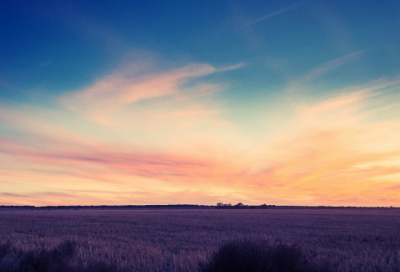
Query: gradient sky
pixel 199 102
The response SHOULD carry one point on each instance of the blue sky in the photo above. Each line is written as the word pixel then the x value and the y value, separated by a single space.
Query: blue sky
pixel 55 47
pixel 248 73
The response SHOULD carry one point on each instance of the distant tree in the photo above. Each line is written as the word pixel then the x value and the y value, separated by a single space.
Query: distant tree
pixel 222 205
pixel 239 205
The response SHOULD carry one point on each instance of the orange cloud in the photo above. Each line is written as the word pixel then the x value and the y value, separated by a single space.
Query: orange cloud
pixel 164 139
pixel 119 90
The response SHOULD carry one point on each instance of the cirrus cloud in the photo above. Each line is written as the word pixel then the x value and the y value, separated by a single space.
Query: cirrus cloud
pixel 164 135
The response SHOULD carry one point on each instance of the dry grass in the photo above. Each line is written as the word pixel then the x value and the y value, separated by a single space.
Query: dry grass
pixel 178 240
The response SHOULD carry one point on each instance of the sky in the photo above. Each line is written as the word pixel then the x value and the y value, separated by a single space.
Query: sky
pixel 199 102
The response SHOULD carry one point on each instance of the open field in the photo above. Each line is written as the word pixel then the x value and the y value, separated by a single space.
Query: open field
pixel 177 240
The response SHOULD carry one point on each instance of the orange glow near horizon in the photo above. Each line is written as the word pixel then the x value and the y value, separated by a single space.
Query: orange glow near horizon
pixel 146 144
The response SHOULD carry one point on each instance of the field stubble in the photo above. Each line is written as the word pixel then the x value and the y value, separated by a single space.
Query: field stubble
pixel 177 240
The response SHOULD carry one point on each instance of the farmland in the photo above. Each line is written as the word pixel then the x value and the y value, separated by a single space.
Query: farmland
pixel 177 240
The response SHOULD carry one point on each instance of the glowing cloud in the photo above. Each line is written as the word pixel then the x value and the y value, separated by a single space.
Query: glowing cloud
pixel 141 138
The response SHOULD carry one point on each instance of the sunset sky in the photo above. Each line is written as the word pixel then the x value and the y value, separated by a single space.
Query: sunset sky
pixel 199 102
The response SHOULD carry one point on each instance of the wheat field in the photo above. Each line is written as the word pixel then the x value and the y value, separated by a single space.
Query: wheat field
pixel 178 240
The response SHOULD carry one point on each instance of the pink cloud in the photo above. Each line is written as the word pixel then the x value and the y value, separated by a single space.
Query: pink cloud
pixel 119 90
pixel 175 146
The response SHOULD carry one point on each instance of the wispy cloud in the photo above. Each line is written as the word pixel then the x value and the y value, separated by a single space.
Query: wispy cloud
pixel 120 90
pixel 166 140
pixel 327 67
pixel 269 15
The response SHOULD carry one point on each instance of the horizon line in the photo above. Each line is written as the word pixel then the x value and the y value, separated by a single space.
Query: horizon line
pixel 227 206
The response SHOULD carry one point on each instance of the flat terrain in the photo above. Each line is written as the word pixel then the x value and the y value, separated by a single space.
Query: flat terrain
pixel 176 240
